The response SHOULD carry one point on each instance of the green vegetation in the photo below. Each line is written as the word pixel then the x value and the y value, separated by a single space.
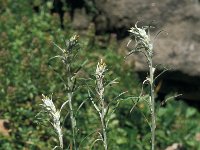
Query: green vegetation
pixel 26 73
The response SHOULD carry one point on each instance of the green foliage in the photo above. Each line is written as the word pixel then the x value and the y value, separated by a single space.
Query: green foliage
pixel 25 73
pixel 180 123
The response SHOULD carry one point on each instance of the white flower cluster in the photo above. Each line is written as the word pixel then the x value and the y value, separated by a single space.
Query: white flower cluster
pixel 54 115
pixel 143 40
pixel 101 68
pixel 72 43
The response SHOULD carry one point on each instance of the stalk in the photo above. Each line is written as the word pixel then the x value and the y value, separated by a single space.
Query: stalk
pixel 70 95
pixel 103 124
pixel 69 54
pixel 54 115
pixel 67 57
pixel 73 121
pixel 101 67
pixel 145 46
pixel 61 140
pixel 152 104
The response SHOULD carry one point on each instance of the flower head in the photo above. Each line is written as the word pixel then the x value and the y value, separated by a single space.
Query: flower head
pixel 72 43
pixel 48 104
pixel 143 40
pixel 52 112
pixel 101 68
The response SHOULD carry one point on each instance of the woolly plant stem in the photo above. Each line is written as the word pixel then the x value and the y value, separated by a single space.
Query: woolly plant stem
pixel 152 104
pixel 101 67
pixel 73 123
pixel 70 95
pixel 54 115
pixel 145 46
pixel 61 140
pixel 103 125
pixel 102 114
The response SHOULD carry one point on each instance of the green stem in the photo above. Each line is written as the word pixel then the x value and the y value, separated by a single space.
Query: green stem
pixel 152 104
pixel 103 110
pixel 103 125
pixel 70 95
pixel 61 140
pixel 73 121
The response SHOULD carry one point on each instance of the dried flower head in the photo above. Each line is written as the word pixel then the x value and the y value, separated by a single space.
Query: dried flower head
pixel 74 38
pixel 48 104
pixel 142 39
pixel 72 42
pixel 101 68
pixel 54 115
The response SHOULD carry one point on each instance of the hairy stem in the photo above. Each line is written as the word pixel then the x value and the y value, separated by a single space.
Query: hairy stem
pixel 103 125
pixel 73 121
pixel 145 46
pixel 61 140
pixel 70 95
pixel 152 104
pixel 100 90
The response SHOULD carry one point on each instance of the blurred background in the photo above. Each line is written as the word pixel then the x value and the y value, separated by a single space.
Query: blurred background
pixel 27 30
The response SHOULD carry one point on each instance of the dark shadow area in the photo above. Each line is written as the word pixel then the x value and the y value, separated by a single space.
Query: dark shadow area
pixel 177 83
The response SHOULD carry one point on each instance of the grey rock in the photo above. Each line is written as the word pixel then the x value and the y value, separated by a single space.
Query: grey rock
pixel 179 50
pixel 80 19
pixel 179 18
pixel 175 146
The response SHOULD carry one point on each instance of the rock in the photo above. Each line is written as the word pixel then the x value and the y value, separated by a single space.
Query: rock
pixel 181 20
pixel 125 13
pixel 197 137
pixel 177 50
pixel 180 53
pixel 175 146
pixel 4 127
pixel 180 50
pixel 80 19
